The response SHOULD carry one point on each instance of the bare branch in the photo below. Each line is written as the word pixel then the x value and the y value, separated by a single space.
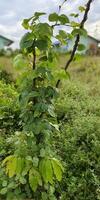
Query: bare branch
pixel 85 17
pixel 69 25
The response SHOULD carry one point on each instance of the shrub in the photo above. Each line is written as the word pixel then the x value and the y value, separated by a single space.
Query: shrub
pixel 5 76
pixel 9 110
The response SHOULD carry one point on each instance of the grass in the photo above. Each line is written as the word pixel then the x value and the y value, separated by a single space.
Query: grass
pixel 86 70
pixel 78 111
pixel 6 63
pixel 79 116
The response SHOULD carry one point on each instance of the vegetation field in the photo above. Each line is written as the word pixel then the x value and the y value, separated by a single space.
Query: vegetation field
pixel 86 69
pixel 77 144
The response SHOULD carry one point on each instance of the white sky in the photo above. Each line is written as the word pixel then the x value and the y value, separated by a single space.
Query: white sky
pixel 13 11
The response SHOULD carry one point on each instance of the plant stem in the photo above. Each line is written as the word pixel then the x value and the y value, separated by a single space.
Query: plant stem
pixel 34 62
pixel 34 56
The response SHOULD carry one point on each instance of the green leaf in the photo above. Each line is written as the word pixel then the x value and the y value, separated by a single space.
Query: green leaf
pixel 57 169
pixel 4 183
pixel 25 23
pixel 63 19
pixel 74 15
pixel 44 30
pixel 37 113
pixel 51 111
pixel 11 185
pixel 29 158
pixel 81 47
pixel 44 196
pixel 35 161
pixel 83 32
pixel 26 41
pixel 46 171
pixel 79 31
pixel 42 152
pixel 27 165
pixel 81 8
pixel 56 126
pixel 49 171
pixel 63 34
pixel 59 163
pixel 20 165
pixel 42 169
pixel 3 191
pixel 34 179
pixel 42 44
pixel 53 17
pixel 22 180
pixel 75 24
pixel 38 14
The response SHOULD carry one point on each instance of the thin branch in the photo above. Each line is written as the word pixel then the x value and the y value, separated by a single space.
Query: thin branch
pixel 69 25
pixel 85 17
pixel 62 5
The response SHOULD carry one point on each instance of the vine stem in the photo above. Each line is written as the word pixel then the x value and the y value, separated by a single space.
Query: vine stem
pixel 34 56
pixel 85 17
pixel 34 61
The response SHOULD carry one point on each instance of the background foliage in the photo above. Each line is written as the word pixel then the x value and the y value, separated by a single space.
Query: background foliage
pixel 78 145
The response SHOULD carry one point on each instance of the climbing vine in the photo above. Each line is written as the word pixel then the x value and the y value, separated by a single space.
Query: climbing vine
pixel 33 163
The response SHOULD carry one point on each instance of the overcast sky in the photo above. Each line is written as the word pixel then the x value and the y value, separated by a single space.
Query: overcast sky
pixel 13 11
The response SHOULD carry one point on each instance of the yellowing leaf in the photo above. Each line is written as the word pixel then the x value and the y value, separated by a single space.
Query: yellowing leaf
pixel 7 159
pixel 11 167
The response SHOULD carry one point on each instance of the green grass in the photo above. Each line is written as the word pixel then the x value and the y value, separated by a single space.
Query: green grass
pixel 78 111
pixel 85 71
pixel 6 63
pixel 78 114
